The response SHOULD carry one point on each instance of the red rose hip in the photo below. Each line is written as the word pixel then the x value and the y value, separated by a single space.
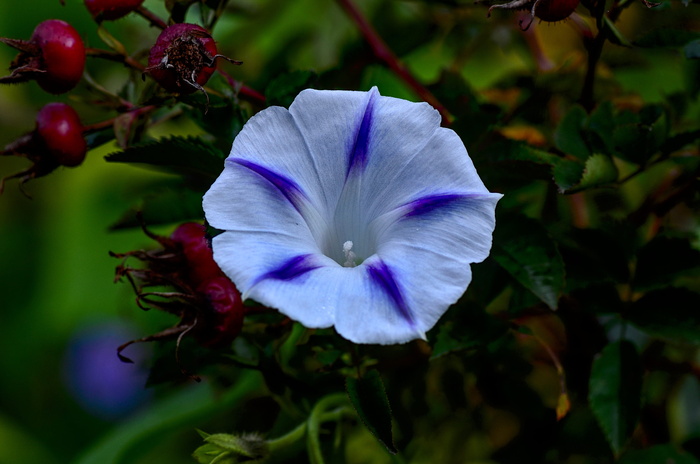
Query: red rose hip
pixel 109 10
pixel 54 56
pixel 60 133
pixel 183 58
pixel 200 259
pixel 224 318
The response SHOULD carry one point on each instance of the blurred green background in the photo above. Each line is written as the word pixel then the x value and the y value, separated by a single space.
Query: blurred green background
pixel 56 277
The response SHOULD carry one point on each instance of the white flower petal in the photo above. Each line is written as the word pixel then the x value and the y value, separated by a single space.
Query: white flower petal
pixel 275 269
pixel 440 167
pixel 329 121
pixel 343 178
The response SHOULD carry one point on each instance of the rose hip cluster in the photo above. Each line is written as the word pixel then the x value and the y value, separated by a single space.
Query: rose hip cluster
pixel 206 301
pixel 182 60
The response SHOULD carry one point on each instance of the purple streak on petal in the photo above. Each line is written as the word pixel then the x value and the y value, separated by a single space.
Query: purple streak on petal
pixel 291 269
pixel 383 277
pixel 360 147
pixel 287 187
pixel 441 202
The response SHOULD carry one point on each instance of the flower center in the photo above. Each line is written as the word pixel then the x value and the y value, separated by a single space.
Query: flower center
pixel 350 256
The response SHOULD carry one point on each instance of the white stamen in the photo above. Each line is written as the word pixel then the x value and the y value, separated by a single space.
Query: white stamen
pixel 349 255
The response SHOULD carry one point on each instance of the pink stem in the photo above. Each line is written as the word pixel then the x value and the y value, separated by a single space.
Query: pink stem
pixel 384 53
pixel 151 17
pixel 245 91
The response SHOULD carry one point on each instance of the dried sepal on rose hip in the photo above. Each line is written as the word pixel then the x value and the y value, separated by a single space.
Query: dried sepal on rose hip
pixel 54 56
pixel 56 141
pixel 184 58
pixel 208 304
pixel 109 10
pixel 545 10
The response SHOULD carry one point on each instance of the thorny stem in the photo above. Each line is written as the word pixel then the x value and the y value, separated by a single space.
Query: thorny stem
pixel 243 90
pixel 98 126
pixel 595 46
pixel 114 56
pixel 384 53
pixel 151 17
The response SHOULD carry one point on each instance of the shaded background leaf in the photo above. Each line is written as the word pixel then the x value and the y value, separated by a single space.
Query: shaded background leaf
pixel 523 247
pixel 615 392
pixel 369 399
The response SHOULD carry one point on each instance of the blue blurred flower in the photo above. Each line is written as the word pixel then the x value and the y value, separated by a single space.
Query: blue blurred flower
pixel 99 382
pixel 351 210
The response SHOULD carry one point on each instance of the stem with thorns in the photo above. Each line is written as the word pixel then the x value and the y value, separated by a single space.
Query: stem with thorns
pixel 594 47
pixel 151 17
pixel 383 52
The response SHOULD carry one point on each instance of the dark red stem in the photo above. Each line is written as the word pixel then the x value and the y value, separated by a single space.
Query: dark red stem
pixel 244 91
pixel 594 46
pixel 114 56
pixel 384 53
pixel 151 17
pixel 107 123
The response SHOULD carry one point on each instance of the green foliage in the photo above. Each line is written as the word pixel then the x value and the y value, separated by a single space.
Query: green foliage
pixel 524 249
pixel 369 399
pixel 182 155
pixel 284 88
pixel 615 388
pixel 574 338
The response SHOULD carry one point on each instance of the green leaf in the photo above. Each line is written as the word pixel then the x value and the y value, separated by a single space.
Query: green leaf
pixel 568 136
pixel 599 170
pixel 523 247
pixel 615 35
pixel 369 399
pixel 601 126
pixel 166 206
pixel 471 328
pixel 615 389
pixel 658 454
pixel 250 446
pixel 567 174
pixel 284 88
pixel 181 155
pixel 670 313
pixel 667 37
pixel 206 454
pixel 519 151
pixel 223 121
pixel 641 135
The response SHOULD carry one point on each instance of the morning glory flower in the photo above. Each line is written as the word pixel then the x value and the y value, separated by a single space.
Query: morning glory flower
pixel 351 210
